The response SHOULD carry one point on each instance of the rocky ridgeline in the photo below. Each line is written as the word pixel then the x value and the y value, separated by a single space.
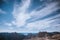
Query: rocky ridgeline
pixel 30 36
pixel 45 36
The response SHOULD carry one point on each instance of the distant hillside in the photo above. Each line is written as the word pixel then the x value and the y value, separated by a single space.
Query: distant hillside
pixel 30 36
pixel 11 36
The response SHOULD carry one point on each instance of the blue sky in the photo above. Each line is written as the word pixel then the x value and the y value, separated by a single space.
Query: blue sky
pixel 29 16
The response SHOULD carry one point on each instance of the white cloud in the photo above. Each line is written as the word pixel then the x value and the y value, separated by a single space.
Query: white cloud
pixel 21 16
pixel 45 11
pixel 13 22
pixel 38 25
pixel 42 24
pixel 8 24
pixel 2 11
pixel 21 19
pixel 55 23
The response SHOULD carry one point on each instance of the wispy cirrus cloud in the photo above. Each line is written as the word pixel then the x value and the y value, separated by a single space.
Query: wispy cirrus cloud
pixel 20 13
pixel 47 10
pixel 32 21
pixel 54 26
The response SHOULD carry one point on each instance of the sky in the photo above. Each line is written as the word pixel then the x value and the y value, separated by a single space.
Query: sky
pixel 29 16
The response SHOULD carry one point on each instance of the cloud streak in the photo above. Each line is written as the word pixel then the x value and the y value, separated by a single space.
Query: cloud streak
pixel 20 14
pixel 49 9
pixel 36 19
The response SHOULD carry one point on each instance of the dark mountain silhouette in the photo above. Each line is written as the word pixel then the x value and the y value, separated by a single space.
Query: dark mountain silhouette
pixel 30 36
